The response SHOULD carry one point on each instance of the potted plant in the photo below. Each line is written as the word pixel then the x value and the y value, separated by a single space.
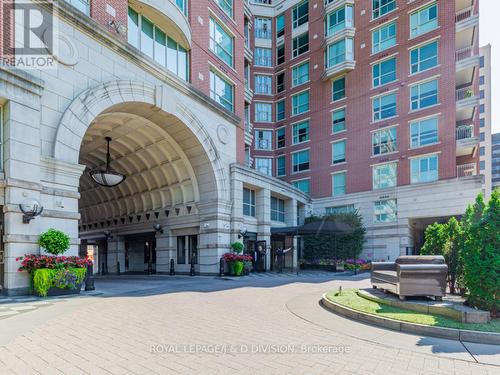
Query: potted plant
pixel 236 261
pixel 52 275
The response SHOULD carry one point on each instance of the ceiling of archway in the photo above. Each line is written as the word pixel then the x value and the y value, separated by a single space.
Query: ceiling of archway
pixel 159 173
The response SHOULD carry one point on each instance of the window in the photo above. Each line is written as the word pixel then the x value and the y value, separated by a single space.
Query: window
pixel 263 84
pixel 338 120
pixel 481 80
pixel 300 74
pixel 424 58
pixel 302 185
pixel 300 44
pixel 82 5
pixel 151 40
pixel 280 82
pixel 424 132
pixel 381 7
pixel 482 151
pixel 300 103
pixel 181 250
pixel 384 37
pixel 385 176
pixel 386 211
pixel 384 106
pixel 226 6
pixel 280 138
pixel 187 249
pixel 280 110
pixel 339 52
pixel 339 19
pixel 481 137
pixel 281 166
pixel 384 141
pixel 277 209
pixel 221 43
pixel 221 91
pixel 482 165
pixel 263 139
pixel 424 20
pixel 248 202
pixel 280 25
pixel 338 89
pixel 300 14
pixel 263 28
pixel 384 72
pixel 264 165
pixel 424 169
pixel 481 61
pixel 263 112
pixel 482 122
pixel 424 94
pixel 481 94
pixel 300 132
pixel 263 57
pixel 340 209
pixel 300 161
pixel 338 152
pixel 182 5
pixel 338 184
pixel 280 54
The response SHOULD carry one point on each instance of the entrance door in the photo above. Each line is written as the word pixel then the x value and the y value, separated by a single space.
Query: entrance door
pixel 260 256
pixel 150 256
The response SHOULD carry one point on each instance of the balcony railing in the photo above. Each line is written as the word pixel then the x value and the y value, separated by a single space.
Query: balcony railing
pixel 266 2
pixel 263 88
pixel 263 33
pixel 464 14
pixel 464 93
pixel 464 132
pixel 466 170
pixel 464 53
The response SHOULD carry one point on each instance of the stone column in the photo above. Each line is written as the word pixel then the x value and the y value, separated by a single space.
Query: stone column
pixel 263 213
pixel 116 253
pixel 164 251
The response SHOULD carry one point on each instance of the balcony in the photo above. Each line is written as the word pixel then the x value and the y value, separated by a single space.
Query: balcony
pixel 334 4
pixel 466 18
pixel 247 51
pixel 247 10
pixel 248 92
pixel 465 170
pixel 466 141
pixel 466 58
pixel 340 58
pixel 466 98
pixel 248 132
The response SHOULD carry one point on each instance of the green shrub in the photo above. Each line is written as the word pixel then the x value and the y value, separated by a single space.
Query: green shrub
pixel 54 241
pixel 63 278
pixel 237 247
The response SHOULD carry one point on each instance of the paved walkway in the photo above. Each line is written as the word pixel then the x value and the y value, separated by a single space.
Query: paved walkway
pixel 204 325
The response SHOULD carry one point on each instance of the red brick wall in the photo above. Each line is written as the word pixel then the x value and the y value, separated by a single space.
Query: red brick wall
pixel 98 12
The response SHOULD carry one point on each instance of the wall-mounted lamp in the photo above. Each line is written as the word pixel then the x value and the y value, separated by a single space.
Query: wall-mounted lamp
pixel 107 234
pixel 243 233
pixel 30 208
pixel 158 228
pixel 206 225
pixel 120 29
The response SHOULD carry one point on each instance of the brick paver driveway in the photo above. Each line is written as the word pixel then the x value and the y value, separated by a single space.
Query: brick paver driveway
pixel 204 326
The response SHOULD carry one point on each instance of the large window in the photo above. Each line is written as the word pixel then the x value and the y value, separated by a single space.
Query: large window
pixel 338 152
pixel 339 52
pixel 300 74
pixel 264 165
pixel 187 249
pixel 424 57
pixel 384 141
pixel 280 82
pixel 280 54
pixel 386 211
pixel 280 25
pixel 300 132
pixel 338 120
pixel 300 44
pixel 248 202
pixel 384 37
pixel 82 5
pixel 384 72
pixel 263 84
pixel 338 184
pixel 263 139
pixel 385 175
pixel 424 169
pixel 424 20
pixel 280 137
pixel 263 112
pixel 277 209
pixel 300 14
pixel 280 166
pixel 381 7
pixel 338 89
pixel 300 161
pixel 384 106
pixel 263 28
pixel 280 110
pixel 424 132
pixel 340 209
pixel 300 103
pixel 153 42
pixel 221 42
pixel 424 94
pixel 263 57
pixel 303 185
pixel 339 19
pixel 226 6
pixel 182 5
pixel 221 91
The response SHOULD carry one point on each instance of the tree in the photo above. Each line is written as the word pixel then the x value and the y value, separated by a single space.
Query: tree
pixel 436 239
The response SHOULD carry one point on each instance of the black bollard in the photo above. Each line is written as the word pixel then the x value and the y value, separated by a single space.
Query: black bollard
pixel 191 271
pixel 172 268
pixel 118 268
pixel 221 267
pixel 89 279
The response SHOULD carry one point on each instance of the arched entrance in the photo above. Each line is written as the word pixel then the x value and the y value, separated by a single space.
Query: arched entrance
pixel 175 178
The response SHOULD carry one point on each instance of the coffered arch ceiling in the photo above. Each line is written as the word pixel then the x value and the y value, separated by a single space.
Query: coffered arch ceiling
pixel 159 155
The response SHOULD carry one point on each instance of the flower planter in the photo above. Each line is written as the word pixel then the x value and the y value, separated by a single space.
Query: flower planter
pixel 55 292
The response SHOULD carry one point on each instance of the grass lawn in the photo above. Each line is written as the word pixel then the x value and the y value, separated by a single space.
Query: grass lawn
pixel 350 299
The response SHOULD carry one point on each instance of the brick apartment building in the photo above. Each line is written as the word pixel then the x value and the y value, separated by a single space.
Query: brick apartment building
pixel 232 121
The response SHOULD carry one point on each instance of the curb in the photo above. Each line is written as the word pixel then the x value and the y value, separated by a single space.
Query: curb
pixel 491 338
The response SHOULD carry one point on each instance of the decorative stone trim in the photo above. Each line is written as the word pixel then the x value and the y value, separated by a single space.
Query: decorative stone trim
pixel 31 239
pixel 22 80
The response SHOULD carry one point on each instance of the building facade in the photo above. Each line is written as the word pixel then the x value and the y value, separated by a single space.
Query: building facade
pixel 233 119
pixel 485 139
pixel 495 160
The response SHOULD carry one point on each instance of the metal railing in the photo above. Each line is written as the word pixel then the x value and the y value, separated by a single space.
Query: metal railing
pixel 464 14
pixel 263 88
pixel 464 93
pixel 263 33
pixel 464 53
pixel 466 170
pixel 464 132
